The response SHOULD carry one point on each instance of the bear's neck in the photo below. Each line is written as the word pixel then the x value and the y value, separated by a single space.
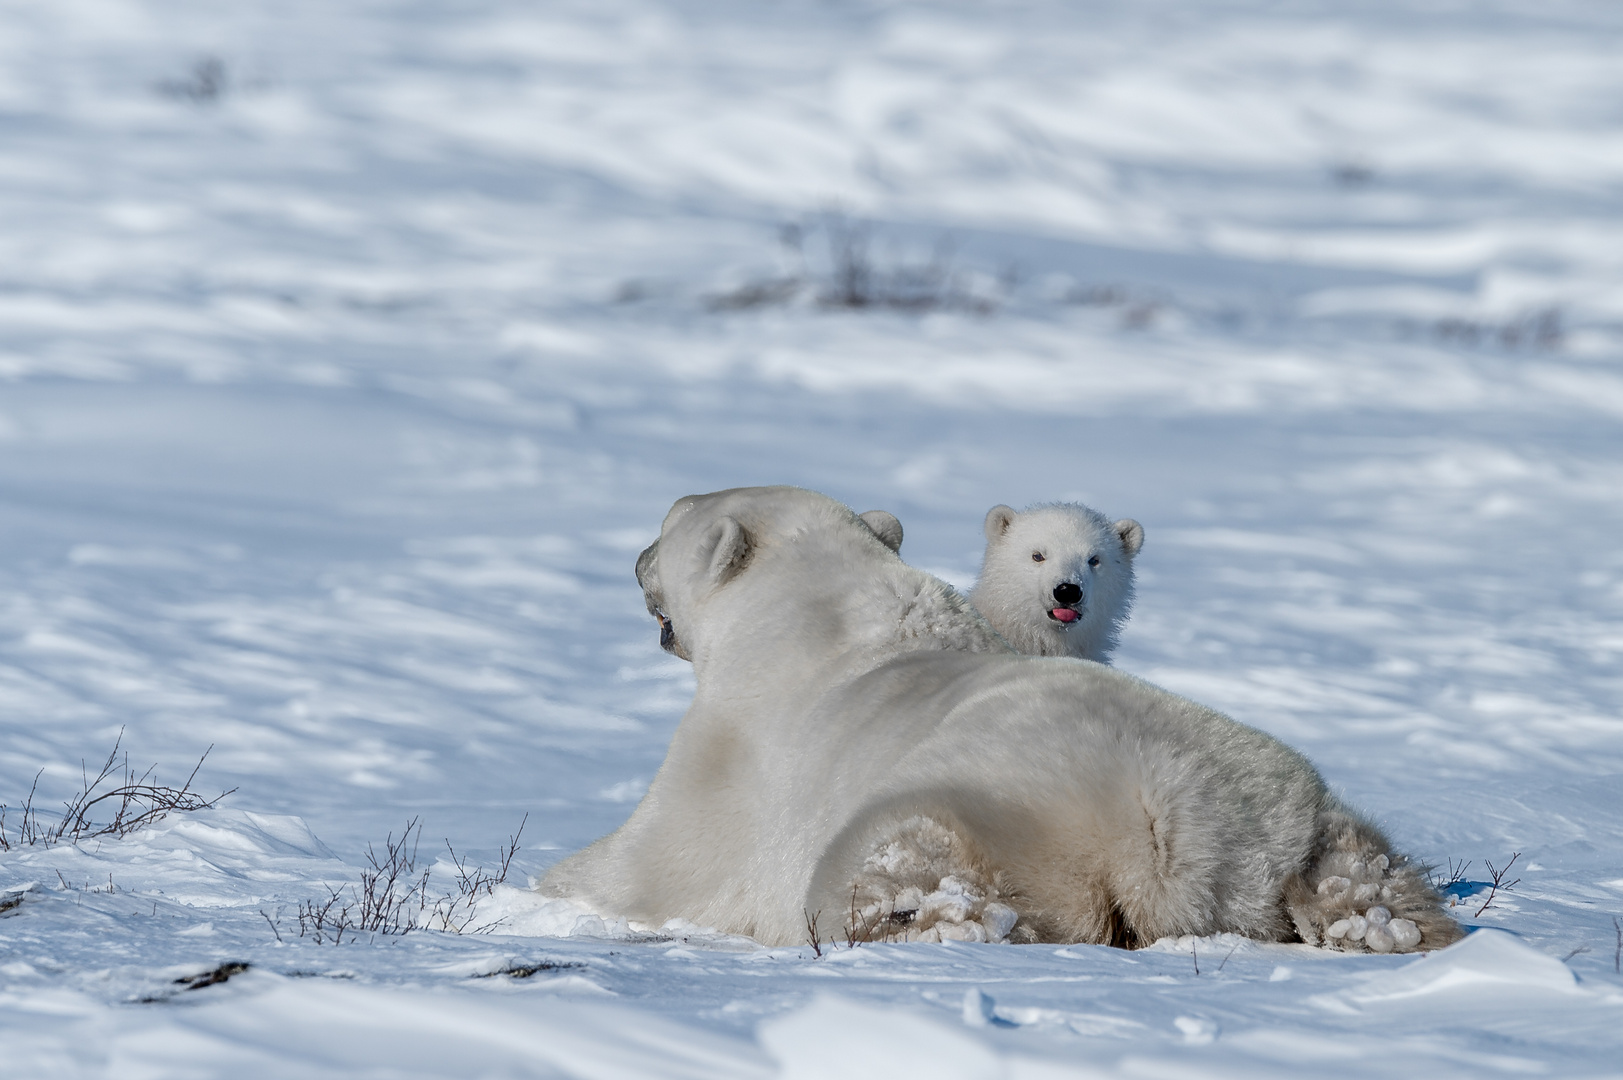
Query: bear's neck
pixel 829 632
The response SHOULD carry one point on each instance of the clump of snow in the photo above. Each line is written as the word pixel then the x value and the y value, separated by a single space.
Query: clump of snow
pixel 1488 963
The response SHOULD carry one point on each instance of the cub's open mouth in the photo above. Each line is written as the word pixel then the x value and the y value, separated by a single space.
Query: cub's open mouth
pixel 1064 614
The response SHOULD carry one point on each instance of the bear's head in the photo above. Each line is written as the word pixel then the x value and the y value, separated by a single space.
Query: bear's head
pixel 1057 579
pixel 702 580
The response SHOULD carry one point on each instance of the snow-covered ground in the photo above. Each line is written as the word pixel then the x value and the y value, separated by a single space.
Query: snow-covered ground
pixel 351 351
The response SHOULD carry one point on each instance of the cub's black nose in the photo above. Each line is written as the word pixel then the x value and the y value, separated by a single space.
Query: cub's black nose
pixel 1067 592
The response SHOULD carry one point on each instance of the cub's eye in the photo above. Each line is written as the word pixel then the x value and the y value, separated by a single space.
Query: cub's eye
pixel 1037 556
pixel 1093 560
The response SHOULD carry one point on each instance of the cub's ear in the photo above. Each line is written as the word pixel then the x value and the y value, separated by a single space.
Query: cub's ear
pixel 1132 536
pixel 885 526
pixel 998 520
pixel 723 551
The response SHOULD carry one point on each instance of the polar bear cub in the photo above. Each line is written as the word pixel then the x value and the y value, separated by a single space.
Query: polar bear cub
pixel 1057 580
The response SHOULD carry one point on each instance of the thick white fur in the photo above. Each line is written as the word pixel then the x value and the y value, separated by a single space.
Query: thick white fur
pixel 1078 545
pixel 864 749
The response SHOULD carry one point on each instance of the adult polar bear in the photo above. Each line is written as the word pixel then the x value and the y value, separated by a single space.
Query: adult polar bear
pixel 863 746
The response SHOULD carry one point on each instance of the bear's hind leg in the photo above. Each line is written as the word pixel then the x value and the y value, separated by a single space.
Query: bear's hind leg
pixel 1359 896
pixel 923 882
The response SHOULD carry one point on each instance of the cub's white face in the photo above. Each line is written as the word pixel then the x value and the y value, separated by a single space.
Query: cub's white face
pixel 1057 580
pixel 1063 558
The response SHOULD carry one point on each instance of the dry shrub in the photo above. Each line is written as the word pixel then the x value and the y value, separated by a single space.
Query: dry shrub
pixel 135 802
pixel 393 896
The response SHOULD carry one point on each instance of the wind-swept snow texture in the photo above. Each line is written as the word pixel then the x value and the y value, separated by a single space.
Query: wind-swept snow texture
pixel 352 351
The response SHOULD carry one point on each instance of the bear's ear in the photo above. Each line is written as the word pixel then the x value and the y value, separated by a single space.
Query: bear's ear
pixel 723 551
pixel 885 526
pixel 1132 536
pixel 998 520
pixel 645 563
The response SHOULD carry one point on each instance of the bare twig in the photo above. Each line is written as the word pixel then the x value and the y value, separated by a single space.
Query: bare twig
pixel 1575 952
pixel 1196 954
pixel 391 884
pixel 851 928
pixel 860 930
pixel 1498 881
pixel 456 913
pixel 1226 958
pixel 28 830
pixel 856 280
pixel 135 801
pixel 1456 874
pixel 268 919
pixel 326 918
pixel 1617 957
pixel 393 897
pixel 508 852
pixel 1539 329
pixel 205 84
pixel 472 883
pixel 811 933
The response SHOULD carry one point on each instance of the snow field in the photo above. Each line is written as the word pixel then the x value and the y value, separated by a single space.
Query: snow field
pixel 336 401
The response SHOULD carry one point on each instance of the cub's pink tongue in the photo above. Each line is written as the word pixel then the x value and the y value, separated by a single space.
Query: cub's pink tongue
pixel 1064 614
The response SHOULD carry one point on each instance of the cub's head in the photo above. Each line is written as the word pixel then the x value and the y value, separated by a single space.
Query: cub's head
pixel 704 572
pixel 1057 580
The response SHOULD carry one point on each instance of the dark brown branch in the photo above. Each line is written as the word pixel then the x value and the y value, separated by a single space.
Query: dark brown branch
pixel 811 934
pixel 139 801
pixel 1498 881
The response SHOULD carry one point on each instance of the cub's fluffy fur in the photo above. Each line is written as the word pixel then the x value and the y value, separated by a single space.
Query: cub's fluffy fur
pixel 863 746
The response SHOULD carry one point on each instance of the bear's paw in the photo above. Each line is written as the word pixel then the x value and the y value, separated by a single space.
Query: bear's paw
pixel 1358 903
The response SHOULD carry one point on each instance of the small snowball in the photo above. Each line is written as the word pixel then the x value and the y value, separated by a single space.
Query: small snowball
pixel 892 859
pixel 1356 869
pixel 1405 933
pixel 965 931
pixel 1382 862
pixel 1367 891
pixel 999 920
pixel 1338 929
pixel 945 907
pixel 1379 938
pixel 1197 1030
pixel 1378 916
pixel 1356 926
pixel 1334 884
pixel 978 1007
